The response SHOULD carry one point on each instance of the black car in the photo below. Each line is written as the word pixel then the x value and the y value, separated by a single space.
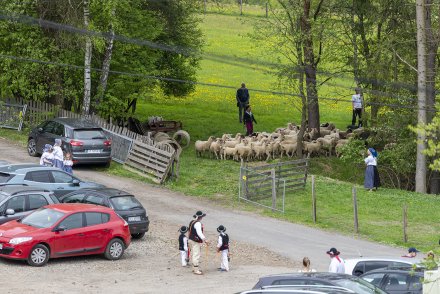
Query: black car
pixel 124 204
pixel 352 283
pixel 395 281
pixel 17 201
pixel 86 141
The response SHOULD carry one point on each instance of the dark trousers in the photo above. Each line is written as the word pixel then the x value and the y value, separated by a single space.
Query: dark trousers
pixel 357 112
pixel 241 110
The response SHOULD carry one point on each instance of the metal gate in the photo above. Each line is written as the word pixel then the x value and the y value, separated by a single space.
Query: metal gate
pixel 11 115
pixel 267 185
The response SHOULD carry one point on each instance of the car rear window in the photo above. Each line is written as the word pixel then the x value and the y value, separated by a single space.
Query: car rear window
pixel 89 134
pixel 127 202
pixel 5 177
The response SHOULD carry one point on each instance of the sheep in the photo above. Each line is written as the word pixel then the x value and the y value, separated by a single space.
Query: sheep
pixel 232 143
pixel 215 147
pixel 244 151
pixel 339 145
pixel 202 146
pixel 258 149
pixel 327 144
pixel 229 151
pixel 311 148
pixel 288 148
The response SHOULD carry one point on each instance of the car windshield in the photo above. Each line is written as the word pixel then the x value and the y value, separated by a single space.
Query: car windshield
pixel 89 134
pixel 5 177
pixel 3 196
pixel 359 286
pixel 127 202
pixel 42 218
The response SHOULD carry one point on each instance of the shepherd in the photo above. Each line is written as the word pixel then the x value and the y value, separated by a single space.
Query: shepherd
pixel 196 239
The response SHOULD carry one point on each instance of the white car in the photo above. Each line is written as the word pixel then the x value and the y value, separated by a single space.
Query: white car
pixel 361 265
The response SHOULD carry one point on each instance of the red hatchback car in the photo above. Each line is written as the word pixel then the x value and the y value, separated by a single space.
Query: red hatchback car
pixel 61 230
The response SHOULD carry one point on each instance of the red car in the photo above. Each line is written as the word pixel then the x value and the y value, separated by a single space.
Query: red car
pixel 61 230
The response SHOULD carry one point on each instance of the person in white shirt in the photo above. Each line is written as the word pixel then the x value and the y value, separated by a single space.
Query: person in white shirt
pixel 356 100
pixel 183 245
pixel 337 264
pixel 223 247
pixel 196 239
pixel 58 154
pixel 372 179
pixel 47 156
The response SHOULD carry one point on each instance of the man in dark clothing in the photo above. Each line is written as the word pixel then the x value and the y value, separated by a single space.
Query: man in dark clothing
pixel 242 101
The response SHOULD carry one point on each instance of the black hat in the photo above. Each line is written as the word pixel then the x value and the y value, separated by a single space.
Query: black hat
pixel 183 229
pixel 199 214
pixel 412 249
pixel 333 251
pixel 221 229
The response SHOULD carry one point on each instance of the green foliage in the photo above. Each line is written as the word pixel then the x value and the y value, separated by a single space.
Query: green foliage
pixel 354 151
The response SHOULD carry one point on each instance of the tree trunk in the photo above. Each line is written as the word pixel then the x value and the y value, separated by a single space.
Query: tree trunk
pixel 300 136
pixel 421 95
pixel 87 63
pixel 310 68
pixel 105 68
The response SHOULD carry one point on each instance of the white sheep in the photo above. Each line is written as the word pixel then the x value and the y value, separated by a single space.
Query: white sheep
pixel 202 146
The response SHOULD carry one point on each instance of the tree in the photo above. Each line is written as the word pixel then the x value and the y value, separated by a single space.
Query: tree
pixel 87 62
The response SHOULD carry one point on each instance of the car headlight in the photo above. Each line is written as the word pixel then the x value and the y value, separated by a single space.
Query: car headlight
pixel 19 240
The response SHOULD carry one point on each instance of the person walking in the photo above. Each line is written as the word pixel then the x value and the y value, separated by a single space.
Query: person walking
pixel 196 239
pixel 248 120
pixel 47 156
pixel 223 247
pixel 58 155
pixel 372 179
pixel 183 246
pixel 306 266
pixel 337 264
pixel 356 101
pixel 242 101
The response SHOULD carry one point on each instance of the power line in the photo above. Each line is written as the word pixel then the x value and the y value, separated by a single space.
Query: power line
pixel 78 67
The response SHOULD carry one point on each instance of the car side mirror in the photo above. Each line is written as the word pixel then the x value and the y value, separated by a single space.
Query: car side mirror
pixel 60 229
pixel 75 183
pixel 40 130
pixel 9 211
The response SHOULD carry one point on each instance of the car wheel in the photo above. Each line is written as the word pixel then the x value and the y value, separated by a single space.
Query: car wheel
pixel 138 235
pixel 39 255
pixel 115 249
pixel 107 164
pixel 32 148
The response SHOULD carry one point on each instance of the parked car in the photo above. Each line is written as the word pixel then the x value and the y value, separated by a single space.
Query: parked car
pixel 352 283
pixel 44 177
pixel 396 281
pixel 62 230
pixel 125 204
pixel 310 289
pixel 86 141
pixel 359 266
pixel 16 201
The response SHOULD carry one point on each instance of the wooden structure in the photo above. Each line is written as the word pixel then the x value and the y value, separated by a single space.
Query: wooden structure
pixel 11 115
pixel 152 161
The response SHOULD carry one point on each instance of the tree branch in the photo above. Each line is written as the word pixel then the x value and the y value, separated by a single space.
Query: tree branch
pixel 318 9
pixel 404 61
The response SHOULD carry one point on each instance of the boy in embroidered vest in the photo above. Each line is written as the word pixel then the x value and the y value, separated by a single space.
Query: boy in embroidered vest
pixel 183 245
pixel 196 239
pixel 223 247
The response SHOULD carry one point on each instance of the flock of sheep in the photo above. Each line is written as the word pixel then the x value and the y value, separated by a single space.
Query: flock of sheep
pixel 282 142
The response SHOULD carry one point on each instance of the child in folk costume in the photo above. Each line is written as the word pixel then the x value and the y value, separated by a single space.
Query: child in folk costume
pixel 183 246
pixel 249 120
pixel 58 154
pixel 68 163
pixel 223 247
pixel 47 156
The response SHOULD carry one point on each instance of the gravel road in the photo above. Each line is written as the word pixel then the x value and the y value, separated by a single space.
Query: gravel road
pixel 260 246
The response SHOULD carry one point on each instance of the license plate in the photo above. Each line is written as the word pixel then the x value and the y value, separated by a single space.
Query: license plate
pixel 134 219
pixel 94 151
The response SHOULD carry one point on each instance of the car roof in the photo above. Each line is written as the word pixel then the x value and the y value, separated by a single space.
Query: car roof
pixel 74 207
pixel 24 167
pixel 390 271
pixel 104 191
pixel 15 189
pixel 402 259
pixel 318 275
pixel 76 123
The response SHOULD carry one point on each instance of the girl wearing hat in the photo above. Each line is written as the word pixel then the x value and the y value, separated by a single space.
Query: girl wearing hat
pixel 58 154
pixel 372 180
pixel 183 245
pixel 47 156
pixel 223 247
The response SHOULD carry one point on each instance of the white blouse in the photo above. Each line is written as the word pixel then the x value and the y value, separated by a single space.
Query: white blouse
pixel 371 160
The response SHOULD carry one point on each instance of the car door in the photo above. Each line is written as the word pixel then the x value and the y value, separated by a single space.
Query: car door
pixel 39 178
pixel 95 199
pixel 18 204
pixel 74 198
pixel 63 183
pixel 416 285
pixel 70 240
pixel 96 232
pixel 46 136
pixel 374 278
pixel 396 283
pixel 35 201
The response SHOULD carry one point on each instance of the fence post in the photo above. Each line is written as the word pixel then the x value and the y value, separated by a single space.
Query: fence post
pixel 405 223
pixel 241 7
pixel 355 211
pixel 267 9
pixel 274 190
pixel 313 200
